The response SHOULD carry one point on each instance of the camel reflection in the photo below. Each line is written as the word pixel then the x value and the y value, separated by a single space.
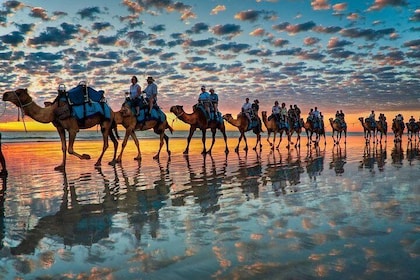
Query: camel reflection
pixel 283 174
pixel 413 151
pixel 397 154
pixel 2 211
pixel 373 154
pixel 248 175
pixel 204 185
pixel 338 159
pixel 75 223
pixel 142 203
pixel 315 161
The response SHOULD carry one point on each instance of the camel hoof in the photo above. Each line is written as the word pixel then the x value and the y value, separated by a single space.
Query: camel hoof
pixel 236 150
pixel 137 158
pixel 85 156
pixel 112 163
pixel 226 151
pixel 169 153
pixel 156 157
pixel 185 152
pixel 98 164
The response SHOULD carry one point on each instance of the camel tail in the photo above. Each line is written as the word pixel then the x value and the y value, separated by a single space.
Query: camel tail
pixel 115 129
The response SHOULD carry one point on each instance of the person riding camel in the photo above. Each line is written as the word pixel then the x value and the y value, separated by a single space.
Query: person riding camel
pixel 214 99
pixel 371 119
pixel 204 99
pixel 246 109
pixel 275 111
pixel 151 92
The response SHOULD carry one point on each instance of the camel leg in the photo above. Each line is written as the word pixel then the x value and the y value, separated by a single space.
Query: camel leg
pixel 239 142
pixel 115 143
pixel 192 129
pixel 167 144
pixel 281 138
pixel 105 134
pixel 62 132
pixel 124 143
pixel 72 138
pixel 160 146
pixel 213 139
pixel 223 130
pixel 203 140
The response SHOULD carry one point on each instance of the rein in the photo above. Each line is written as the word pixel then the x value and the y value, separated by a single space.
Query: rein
pixel 21 108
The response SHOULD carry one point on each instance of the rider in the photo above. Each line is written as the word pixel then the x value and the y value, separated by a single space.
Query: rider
pixel 275 111
pixel 372 119
pixel 204 99
pixel 214 99
pixel 246 109
pixel 135 93
pixel 151 92
pixel 316 117
pixel 283 112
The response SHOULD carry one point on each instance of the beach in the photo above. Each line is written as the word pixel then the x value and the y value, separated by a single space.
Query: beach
pixel 348 211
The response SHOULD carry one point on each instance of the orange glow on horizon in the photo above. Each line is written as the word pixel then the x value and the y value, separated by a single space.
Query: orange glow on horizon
pixel 353 124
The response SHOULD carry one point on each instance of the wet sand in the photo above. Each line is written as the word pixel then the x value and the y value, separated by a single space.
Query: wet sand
pixel 348 211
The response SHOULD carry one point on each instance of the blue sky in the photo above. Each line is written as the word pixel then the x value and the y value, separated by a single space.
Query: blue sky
pixel 350 55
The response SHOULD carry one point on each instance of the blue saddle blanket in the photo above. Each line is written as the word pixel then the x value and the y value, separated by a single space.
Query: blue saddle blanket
pixel 212 117
pixel 81 94
pixel 89 109
pixel 156 114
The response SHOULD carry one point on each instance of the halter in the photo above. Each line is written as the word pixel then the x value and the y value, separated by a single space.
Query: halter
pixel 22 105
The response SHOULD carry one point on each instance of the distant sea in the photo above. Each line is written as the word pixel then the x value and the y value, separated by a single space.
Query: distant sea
pixel 51 136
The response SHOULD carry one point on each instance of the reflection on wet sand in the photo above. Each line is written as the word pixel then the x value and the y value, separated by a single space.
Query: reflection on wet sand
pixel 284 173
pixel 338 159
pixel 315 161
pixel 373 154
pixel 204 185
pixel 2 214
pixel 75 223
pixel 248 215
pixel 397 154
pixel 413 151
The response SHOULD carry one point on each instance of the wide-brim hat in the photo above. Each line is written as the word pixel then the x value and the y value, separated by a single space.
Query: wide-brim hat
pixel 150 79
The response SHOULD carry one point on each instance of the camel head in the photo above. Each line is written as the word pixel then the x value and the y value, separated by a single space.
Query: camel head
pixel 177 110
pixel 361 119
pixel 227 117
pixel 19 97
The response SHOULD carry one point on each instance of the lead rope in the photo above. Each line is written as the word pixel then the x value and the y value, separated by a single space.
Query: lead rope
pixel 21 110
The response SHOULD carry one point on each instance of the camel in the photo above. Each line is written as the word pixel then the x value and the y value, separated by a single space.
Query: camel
pixel 272 127
pixel 197 119
pixel 382 127
pixel 296 126
pixel 310 130
pixel 242 123
pixel 413 129
pixel 398 129
pixel 338 127
pixel 21 99
pixel 127 118
pixel 367 129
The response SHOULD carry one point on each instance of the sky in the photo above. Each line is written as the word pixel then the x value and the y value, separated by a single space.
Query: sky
pixel 354 56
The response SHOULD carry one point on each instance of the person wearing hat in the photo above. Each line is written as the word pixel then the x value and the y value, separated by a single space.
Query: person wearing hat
pixel 214 99
pixel 204 99
pixel 151 92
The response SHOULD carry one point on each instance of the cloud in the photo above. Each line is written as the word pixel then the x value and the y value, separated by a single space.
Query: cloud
pixel 230 30
pixel 198 28
pixel 320 4
pixel 218 9
pixel 232 47
pixel 368 34
pixel 89 13
pixel 259 32
pixel 309 41
pixel 100 26
pixel 38 12
pixel 335 42
pixel 250 15
pixel 158 28
pixel 380 4
pixel 55 36
pixel 14 38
